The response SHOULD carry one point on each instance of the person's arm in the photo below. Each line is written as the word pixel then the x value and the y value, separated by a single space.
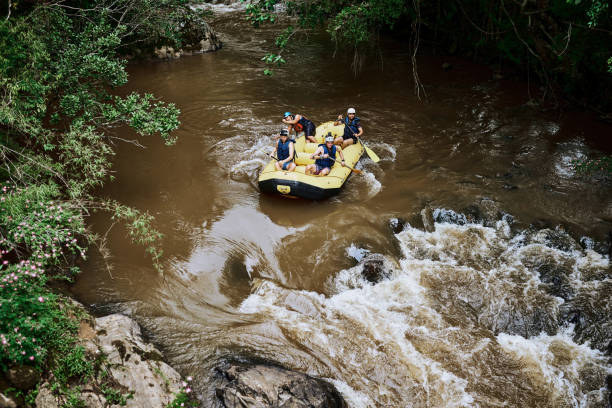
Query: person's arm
pixel 317 152
pixel 291 152
pixel 360 131
pixel 293 121
pixel 337 121
pixel 341 156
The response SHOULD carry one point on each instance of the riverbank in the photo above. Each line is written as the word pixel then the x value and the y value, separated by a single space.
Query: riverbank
pixel 110 366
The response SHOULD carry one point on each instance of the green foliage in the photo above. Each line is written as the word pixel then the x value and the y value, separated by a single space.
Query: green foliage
pixel 183 398
pixel 596 9
pixel 590 166
pixel 34 223
pixel 566 44
pixel 70 362
pixel 282 39
pixel 73 399
pixel 274 59
pixel 29 314
pixel 59 68
pixel 140 230
pixel 261 12
pixel 114 396
pixel 355 25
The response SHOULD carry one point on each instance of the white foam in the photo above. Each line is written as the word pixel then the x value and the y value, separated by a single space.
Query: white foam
pixel 408 341
pixel 374 186
pixel 557 361
pixel 356 253
pixel 220 8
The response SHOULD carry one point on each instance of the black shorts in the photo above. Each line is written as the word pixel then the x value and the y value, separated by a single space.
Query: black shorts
pixel 346 137
pixel 310 129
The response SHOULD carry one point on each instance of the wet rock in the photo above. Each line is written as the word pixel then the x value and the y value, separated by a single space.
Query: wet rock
pixel 490 211
pixel 428 219
pixel 441 215
pixel 556 280
pixel 587 243
pixel 397 225
pixel 541 223
pixel 486 211
pixel 557 239
pixel 23 377
pixel 508 186
pixel 374 268
pixel 261 386
pixel 591 313
pixel 508 218
pixel 197 36
pixel 6 402
pixel 472 213
pixel 134 364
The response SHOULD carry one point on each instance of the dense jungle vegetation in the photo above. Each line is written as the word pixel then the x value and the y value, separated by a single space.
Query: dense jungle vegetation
pixel 563 48
pixel 61 61
pixel 563 44
pixel 59 64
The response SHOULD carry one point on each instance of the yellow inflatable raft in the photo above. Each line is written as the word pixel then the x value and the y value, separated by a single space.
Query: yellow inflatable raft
pixel 296 183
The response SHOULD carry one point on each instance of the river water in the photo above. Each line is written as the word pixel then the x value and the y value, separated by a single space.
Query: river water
pixel 512 312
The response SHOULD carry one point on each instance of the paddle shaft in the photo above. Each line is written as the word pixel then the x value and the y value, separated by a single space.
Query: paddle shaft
pixel 352 169
pixel 369 151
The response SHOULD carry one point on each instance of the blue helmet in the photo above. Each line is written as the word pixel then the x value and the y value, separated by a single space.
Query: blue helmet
pixel 286 114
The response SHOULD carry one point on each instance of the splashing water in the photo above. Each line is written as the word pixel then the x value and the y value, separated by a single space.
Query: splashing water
pixel 467 318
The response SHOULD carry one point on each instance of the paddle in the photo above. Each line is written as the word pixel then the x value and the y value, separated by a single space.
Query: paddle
pixel 267 154
pixel 352 169
pixel 369 151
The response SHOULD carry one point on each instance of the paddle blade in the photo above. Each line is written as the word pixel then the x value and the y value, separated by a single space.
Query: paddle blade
pixel 372 155
pixel 356 171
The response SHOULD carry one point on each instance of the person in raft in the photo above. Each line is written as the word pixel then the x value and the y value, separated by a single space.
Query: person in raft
pixel 299 124
pixel 352 129
pixel 285 152
pixel 324 155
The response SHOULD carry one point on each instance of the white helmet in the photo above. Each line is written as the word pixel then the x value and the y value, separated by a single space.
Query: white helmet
pixel 329 137
pixel 350 110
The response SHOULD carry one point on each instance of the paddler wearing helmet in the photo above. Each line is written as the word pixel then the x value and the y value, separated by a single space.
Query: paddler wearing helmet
pixel 285 152
pixel 352 129
pixel 325 156
pixel 299 123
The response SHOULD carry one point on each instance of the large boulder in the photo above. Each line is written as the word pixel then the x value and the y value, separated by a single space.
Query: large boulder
pixel 261 386
pixel 428 219
pixel 134 364
pixel 45 397
pixel 23 377
pixel 197 36
pixel 7 402
pixel 375 268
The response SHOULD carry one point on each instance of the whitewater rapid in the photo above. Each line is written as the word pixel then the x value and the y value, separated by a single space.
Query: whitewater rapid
pixel 462 319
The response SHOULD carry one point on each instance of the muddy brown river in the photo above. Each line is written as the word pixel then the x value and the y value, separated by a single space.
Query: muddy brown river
pixel 512 312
